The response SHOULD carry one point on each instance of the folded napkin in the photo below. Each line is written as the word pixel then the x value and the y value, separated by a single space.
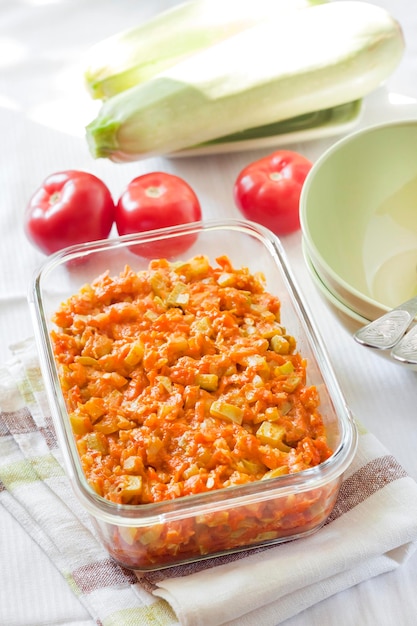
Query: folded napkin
pixel 373 529
pixel 35 490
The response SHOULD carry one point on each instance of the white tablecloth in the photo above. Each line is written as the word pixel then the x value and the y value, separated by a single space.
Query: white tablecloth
pixel 43 110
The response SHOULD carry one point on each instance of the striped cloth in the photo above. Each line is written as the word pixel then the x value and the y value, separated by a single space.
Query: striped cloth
pixel 372 529
pixel 35 490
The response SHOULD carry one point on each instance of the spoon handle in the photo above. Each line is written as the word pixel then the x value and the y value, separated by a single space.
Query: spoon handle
pixel 406 349
pixel 386 331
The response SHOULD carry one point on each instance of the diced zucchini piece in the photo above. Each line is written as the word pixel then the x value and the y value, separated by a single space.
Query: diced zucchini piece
pixel 227 411
pixel 270 433
pixel 179 296
pixel 209 382
pixel 280 345
pixel 135 354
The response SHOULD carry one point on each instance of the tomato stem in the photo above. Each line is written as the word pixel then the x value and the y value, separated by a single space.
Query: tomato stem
pixel 54 197
pixel 154 192
pixel 275 175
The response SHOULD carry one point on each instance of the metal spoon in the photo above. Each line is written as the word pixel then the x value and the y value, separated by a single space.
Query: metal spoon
pixel 406 349
pixel 386 331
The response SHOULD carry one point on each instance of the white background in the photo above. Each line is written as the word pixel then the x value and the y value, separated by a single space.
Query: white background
pixel 43 111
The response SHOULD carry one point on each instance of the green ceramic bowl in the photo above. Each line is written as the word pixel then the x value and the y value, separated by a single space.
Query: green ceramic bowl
pixel 358 213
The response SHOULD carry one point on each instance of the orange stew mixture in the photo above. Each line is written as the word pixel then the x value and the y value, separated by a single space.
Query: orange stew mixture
pixel 180 379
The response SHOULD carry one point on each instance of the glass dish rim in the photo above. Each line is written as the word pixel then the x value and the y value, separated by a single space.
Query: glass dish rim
pixel 145 514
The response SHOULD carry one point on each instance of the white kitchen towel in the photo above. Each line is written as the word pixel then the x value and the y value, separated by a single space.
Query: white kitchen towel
pixel 372 529
pixel 35 490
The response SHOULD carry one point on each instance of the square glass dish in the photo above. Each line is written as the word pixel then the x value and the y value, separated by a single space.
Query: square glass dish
pixel 208 521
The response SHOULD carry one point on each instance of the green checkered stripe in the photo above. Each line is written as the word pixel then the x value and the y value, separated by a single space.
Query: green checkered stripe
pixel 35 490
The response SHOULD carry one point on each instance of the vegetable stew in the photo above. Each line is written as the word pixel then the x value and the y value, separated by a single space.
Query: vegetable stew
pixel 180 379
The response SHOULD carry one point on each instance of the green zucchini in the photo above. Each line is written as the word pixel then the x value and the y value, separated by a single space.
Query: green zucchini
pixel 316 119
pixel 135 55
pixel 305 61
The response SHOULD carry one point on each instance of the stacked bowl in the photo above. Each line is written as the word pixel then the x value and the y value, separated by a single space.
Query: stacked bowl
pixel 358 212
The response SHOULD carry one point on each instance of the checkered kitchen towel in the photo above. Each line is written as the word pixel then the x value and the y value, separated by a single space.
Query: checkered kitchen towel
pixel 372 530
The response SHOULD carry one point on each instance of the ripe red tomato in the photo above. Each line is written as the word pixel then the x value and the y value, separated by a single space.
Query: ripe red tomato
pixel 268 190
pixel 70 207
pixel 153 201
